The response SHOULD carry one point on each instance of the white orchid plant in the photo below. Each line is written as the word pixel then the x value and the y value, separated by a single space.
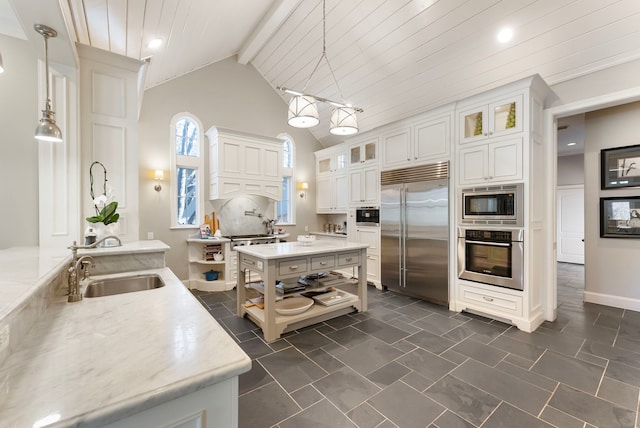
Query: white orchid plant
pixel 105 210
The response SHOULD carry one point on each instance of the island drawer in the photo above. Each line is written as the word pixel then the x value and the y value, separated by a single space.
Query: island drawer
pixel 323 262
pixel 349 259
pixel 292 267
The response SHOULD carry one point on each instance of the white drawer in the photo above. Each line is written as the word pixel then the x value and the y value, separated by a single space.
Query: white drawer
pixel 291 267
pixel 348 259
pixel 498 303
pixel 323 262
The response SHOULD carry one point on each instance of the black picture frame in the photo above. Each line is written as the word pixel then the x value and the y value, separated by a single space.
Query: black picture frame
pixel 620 167
pixel 620 217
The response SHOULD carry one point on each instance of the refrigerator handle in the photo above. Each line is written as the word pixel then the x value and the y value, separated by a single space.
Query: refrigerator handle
pixel 403 236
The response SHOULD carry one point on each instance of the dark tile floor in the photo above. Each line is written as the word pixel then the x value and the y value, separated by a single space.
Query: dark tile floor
pixel 407 363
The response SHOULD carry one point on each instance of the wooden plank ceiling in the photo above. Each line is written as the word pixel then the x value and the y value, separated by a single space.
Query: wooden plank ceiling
pixel 393 58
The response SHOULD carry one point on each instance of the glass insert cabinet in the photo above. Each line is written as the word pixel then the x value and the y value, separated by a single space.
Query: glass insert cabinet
pixel 492 120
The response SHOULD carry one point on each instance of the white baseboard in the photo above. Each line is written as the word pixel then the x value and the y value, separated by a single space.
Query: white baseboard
pixel 611 300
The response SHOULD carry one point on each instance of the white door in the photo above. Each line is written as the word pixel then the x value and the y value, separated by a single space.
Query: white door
pixel 570 224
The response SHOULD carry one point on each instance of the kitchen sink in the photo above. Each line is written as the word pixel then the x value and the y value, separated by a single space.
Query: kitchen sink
pixel 125 284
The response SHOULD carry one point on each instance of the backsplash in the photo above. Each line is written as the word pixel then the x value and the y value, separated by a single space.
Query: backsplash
pixel 244 215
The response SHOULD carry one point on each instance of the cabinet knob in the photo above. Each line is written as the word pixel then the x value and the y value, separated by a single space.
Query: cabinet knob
pixel 416 158
pixel 485 134
pixel 348 259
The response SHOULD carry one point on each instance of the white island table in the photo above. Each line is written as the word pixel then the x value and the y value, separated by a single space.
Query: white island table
pixel 290 260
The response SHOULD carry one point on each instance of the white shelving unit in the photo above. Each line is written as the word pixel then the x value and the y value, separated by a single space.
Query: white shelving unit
pixel 198 265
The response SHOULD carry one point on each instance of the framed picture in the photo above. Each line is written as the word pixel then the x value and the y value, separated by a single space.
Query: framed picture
pixel 620 167
pixel 620 217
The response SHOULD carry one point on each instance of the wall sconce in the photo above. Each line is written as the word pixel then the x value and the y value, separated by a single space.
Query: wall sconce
pixel 303 186
pixel 158 175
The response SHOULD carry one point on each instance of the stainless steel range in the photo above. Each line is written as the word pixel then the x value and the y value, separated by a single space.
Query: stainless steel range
pixel 238 240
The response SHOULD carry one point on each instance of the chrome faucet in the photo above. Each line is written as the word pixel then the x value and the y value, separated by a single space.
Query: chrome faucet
pixel 83 262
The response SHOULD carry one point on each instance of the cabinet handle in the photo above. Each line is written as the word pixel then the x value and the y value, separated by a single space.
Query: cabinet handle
pixel 349 259
pixel 293 267
pixel 323 263
pixel 416 158
pixel 408 159
pixel 486 134
pixel 250 262
pixel 488 299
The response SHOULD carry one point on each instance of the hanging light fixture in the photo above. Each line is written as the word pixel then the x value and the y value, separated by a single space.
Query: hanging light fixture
pixel 303 110
pixel 1 66
pixel 47 130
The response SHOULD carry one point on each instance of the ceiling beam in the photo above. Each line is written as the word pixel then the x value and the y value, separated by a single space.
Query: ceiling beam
pixel 272 20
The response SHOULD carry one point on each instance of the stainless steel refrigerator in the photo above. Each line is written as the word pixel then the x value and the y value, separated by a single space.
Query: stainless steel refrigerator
pixel 414 220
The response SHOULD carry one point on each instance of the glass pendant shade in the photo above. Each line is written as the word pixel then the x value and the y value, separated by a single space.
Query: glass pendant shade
pixel 47 130
pixel 343 121
pixel 303 112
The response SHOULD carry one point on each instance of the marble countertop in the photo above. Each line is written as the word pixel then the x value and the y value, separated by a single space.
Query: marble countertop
pixel 289 249
pixel 135 247
pixel 102 359
pixel 23 270
pixel 333 235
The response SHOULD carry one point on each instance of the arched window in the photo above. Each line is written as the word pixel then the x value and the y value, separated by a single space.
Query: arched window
pixel 187 170
pixel 286 207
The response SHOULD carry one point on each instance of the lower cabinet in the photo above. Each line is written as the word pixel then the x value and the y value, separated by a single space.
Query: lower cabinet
pixel 202 260
pixel 213 407
pixel 369 235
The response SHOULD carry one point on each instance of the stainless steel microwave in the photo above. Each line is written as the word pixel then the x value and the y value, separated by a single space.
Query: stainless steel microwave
pixel 493 205
pixel 368 216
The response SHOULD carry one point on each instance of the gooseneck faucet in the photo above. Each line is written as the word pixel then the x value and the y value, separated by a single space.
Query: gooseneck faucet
pixel 82 263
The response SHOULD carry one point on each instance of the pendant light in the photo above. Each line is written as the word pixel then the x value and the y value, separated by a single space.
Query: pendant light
pixel 47 130
pixel 303 110
pixel 1 66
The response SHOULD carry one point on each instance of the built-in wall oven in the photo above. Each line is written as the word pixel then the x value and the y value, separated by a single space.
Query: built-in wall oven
pixel 491 256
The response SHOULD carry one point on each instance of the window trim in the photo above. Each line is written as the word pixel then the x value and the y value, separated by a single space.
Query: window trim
pixel 186 162
pixel 289 172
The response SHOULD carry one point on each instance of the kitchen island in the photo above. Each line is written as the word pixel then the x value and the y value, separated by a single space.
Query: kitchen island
pixel 292 260
pixel 146 358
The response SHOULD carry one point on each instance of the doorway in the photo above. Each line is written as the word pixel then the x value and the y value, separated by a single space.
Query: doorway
pixel 552 116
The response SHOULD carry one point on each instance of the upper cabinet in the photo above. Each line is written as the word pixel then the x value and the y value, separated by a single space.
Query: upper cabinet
pixel 364 152
pixel 490 120
pixel 496 161
pixel 423 141
pixel 331 160
pixel 244 164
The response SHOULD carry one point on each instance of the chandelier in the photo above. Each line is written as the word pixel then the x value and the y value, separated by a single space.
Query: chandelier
pixel 303 110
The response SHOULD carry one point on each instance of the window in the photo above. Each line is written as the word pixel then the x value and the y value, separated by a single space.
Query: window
pixel 187 166
pixel 286 207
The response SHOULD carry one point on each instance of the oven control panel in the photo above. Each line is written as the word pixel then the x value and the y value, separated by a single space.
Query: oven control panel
pixel 491 235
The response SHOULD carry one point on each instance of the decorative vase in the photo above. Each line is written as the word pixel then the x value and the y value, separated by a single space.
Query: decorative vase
pixel 102 230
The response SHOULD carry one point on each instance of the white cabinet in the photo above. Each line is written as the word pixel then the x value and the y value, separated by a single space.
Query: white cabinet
pixel 331 160
pixel 364 152
pixel 201 260
pixel 364 186
pixel 492 162
pixel 332 194
pixel 244 164
pixel 371 236
pixel 425 141
pixel 499 140
pixel 497 118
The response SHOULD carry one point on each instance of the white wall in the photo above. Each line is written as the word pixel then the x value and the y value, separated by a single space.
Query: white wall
pixel 19 159
pixel 611 264
pixel 570 170
pixel 224 94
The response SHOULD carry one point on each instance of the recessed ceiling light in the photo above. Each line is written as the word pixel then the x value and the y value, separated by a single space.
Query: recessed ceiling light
pixel 505 35
pixel 571 144
pixel 155 43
